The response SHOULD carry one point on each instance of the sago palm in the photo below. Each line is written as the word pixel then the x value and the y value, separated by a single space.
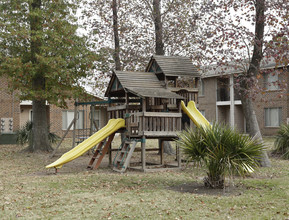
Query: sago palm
pixel 281 143
pixel 24 135
pixel 222 150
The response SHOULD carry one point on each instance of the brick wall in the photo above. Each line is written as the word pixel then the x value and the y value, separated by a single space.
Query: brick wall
pixel 9 104
pixel 56 119
pixel 207 102
pixel 270 99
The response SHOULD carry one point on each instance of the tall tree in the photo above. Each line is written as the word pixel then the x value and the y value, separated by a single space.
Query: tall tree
pixel 159 45
pixel 43 56
pixel 136 29
pixel 116 36
pixel 242 33
pixel 254 68
pixel 40 124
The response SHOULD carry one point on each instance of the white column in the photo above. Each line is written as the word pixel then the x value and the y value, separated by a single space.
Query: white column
pixel 232 102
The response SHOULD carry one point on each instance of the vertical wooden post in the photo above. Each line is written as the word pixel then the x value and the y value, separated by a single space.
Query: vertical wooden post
pixel 144 104
pixel 126 112
pixel 143 153
pixel 179 126
pixel 162 151
pixel 74 123
pixel 109 156
pixel 232 102
pixel 91 119
pixel 126 102
pixel 109 105
pixel 109 149
pixel 179 156
pixel 143 144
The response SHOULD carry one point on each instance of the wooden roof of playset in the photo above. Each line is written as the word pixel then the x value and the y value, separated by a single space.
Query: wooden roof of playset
pixel 153 82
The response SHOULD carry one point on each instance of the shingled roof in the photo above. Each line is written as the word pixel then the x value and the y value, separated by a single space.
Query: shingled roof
pixel 174 65
pixel 142 84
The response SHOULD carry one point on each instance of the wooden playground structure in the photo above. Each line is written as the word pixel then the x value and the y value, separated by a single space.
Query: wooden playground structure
pixel 150 104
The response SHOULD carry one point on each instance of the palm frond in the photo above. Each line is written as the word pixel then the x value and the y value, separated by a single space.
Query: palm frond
pixel 281 143
pixel 221 149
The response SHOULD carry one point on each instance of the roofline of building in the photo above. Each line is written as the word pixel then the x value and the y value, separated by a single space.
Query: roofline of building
pixel 236 72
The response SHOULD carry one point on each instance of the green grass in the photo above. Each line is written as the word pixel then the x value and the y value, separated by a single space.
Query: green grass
pixel 29 191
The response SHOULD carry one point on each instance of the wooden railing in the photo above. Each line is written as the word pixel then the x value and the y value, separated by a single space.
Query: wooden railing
pixel 119 111
pixel 189 95
pixel 153 124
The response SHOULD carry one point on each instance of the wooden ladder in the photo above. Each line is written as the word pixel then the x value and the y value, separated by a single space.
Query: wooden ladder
pixel 123 156
pixel 100 152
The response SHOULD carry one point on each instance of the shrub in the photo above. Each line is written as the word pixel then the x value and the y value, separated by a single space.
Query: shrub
pixel 222 150
pixel 24 135
pixel 281 144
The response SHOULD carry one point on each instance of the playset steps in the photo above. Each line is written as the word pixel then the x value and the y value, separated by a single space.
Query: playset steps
pixel 100 152
pixel 123 156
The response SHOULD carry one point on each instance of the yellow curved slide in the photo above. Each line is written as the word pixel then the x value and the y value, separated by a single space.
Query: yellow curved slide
pixel 112 126
pixel 195 115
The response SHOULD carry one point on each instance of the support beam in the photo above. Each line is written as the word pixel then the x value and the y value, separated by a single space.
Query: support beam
pixel 143 153
pixel 179 160
pixel 91 119
pixel 162 151
pixel 232 102
pixel 66 132
pixel 100 151
pixel 74 125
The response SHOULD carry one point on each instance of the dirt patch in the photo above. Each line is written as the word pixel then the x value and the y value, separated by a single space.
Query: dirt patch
pixel 200 189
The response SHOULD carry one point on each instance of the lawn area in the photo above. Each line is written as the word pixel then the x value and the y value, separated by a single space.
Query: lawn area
pixel 29 191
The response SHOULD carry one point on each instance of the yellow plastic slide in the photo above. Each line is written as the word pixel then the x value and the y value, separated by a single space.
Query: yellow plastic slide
pixel 194 114
pixel 112 126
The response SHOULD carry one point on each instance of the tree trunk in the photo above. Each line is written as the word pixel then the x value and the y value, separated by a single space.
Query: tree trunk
pixel 246 83
pixel 253 126
pixel 116 55
pixel 160 51
pixel 40 131
pixel 39 115
pixel 158 27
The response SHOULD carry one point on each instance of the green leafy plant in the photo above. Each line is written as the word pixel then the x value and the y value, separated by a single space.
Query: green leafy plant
pixel 222 150
pixel 281 144
pixel 24 135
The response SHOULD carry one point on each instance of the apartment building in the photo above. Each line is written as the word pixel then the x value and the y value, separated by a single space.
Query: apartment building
pixel 219 100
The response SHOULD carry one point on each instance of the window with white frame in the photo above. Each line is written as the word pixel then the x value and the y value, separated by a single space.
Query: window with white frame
pixel 67 117
pixel 201 88
pixel 273 117
pixel 271 81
